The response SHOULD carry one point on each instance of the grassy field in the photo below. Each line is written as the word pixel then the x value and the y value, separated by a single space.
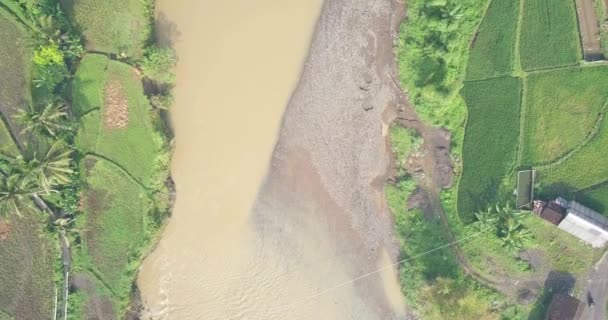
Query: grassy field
pixel 112 26
pixel 561 109
pixel 549 34
pixel 14 69
pixel 122 129
pixel 116 222
pixel 492 52
pixel 27 260
pixel 490 141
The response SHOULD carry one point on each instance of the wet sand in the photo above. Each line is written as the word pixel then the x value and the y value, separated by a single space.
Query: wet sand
pixel 285 245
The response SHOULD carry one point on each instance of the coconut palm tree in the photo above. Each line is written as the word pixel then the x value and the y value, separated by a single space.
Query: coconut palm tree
pixel 52 169
pixel 16 190
pixel 49 120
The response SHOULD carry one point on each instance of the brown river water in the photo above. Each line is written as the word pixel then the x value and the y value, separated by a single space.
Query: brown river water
pixel 239 62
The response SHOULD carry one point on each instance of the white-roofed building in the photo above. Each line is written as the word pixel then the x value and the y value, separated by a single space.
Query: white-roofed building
pixel 585 224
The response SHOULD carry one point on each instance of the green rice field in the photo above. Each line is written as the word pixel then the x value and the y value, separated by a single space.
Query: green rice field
pixel 27 261
pixel 14 69
pixel 493 49
pixel 116 211
pixel 119 27
pixel 549 34
pixel 490 142
pixel 562 109
pixel 124 134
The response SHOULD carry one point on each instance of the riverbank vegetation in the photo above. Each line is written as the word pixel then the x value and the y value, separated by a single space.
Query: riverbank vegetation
pixel 82 143
pixel 503 117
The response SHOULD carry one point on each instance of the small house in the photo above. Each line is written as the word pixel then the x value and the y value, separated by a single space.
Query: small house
pixel 575 219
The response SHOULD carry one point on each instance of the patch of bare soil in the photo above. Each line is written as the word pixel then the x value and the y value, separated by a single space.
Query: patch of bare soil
pixel 116 109
pixel 97 307
pixel 5 229
pixel 589 27
pixel 420 200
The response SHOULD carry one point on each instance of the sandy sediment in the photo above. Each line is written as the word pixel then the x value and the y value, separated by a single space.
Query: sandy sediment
pixel 328 169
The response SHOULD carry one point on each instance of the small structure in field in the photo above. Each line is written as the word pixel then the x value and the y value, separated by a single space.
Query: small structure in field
pixel 575 219
pixel 564 307
pixel 525 189
pixel 550 211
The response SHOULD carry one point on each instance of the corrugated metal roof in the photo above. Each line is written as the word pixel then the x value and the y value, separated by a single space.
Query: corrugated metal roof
pixel 586 224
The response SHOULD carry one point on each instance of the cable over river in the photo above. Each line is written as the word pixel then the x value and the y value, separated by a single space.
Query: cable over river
pixel 279 192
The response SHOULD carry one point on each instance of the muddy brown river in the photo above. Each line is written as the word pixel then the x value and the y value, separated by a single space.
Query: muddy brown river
pixel 239 62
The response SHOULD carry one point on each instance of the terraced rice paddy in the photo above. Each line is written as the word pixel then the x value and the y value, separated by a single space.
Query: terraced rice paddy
pixel 561 128
pixel 549 34
pixel 117 122
pixel 27 253
pixel 492 53
pixel 490 141
pixel 112 26
pixel 116 209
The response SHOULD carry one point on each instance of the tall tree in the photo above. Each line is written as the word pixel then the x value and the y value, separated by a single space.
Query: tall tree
pixel 52 168
pixel 16 190
pixel 49 120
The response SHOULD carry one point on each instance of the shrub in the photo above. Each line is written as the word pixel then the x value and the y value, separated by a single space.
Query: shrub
pixel 48 55
pixel 162 101
pixel 158 64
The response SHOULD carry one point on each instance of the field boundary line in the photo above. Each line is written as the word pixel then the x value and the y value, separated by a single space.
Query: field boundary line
pixel 518 69
pixel 592 134
pixel 117 165
pixel 554 68
pixel 594 187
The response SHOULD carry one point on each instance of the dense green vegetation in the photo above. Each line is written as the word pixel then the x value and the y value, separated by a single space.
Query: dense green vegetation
pixel 493 46
pixel 120 27
pixel 490 143
pixel 95 162
pixel 122 130
pixel 549 34
pixel 433 283
pixel 432 54
pixel 562 108
pixel 512 123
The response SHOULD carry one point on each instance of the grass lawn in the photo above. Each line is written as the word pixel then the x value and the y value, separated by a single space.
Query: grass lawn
pixel 561 109
pixel 492 53
pixel 14 69
pixel 27 261
pixel 490 141
pixel 118 124
pixel 115 209
pixel 112 26
pixel 549 35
